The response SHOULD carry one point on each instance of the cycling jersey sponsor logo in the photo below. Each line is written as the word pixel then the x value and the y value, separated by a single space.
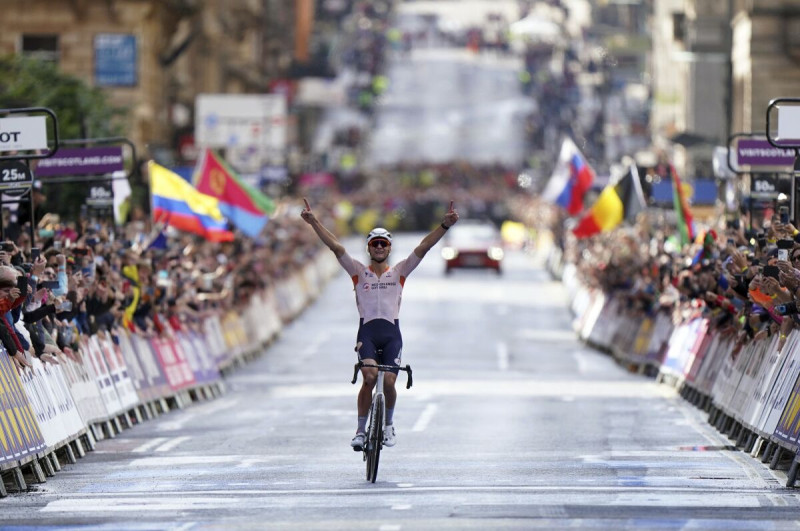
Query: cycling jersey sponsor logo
pixel 366 286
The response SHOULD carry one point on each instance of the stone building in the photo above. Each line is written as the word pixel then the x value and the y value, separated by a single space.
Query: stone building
pixel 154 56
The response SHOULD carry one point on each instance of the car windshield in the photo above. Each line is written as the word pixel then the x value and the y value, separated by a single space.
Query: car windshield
pixel 472 235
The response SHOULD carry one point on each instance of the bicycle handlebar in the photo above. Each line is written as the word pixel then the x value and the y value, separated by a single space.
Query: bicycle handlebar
pixel 384 368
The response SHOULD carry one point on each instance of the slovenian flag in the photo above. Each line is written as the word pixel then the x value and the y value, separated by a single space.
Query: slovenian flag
pixel 571 179
pixel 245 207
pixel 178 204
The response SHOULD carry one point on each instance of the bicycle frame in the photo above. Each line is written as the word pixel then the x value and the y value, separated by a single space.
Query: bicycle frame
pixel 377 416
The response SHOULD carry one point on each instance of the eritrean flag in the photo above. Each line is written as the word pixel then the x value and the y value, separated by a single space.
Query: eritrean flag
pixel 245 207
pixel 177 203
pixel 618 202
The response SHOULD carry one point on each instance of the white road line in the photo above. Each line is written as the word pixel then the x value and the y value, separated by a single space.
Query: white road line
pixel 185 527
pixel 425 417
pixel 149 444
pixel 177 424
pixel 401 507
pixel 169 445
pixel 502 356
pixel 390 527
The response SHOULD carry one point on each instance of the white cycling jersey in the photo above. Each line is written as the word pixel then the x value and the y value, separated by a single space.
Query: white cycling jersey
pixel 379 297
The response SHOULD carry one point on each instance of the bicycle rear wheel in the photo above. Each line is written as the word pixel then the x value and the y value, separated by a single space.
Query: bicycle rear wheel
pixel 375 439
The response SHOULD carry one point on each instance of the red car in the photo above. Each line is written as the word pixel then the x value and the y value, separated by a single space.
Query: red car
pixel 472 244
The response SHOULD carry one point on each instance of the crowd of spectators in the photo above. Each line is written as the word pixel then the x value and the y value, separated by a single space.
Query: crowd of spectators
pixel 745 281
pixel 92 277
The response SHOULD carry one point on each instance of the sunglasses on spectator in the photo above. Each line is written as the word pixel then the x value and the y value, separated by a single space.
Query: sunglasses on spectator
pixel 379 243
pixel 795 256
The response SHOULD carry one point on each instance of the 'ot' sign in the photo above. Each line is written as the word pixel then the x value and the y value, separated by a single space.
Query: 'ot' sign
pixel 23 133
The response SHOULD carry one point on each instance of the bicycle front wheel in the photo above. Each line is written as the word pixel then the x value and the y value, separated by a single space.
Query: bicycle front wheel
pixel 375 439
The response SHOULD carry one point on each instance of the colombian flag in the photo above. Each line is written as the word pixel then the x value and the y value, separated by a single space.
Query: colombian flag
pixel 616 203
pixel 177 203
pixel 243 205
pixel 571 179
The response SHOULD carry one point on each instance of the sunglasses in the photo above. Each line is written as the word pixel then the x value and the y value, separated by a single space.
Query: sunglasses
pixel 379 243
pixel 795 257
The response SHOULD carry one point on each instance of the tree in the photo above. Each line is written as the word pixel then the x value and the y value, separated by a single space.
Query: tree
pixel 82 112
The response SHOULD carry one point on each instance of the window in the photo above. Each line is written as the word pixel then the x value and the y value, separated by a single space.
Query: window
pixel 43 47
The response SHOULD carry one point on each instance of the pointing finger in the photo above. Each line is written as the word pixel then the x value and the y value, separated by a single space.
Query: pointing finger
pixel 451 206
pixel 308 207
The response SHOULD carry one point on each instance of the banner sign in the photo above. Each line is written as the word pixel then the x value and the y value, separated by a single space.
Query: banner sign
pixel 115 60
pixel 100 195
pixel 23 133
pixel 764 186
pixel 753 154
pixel 15 174
pixel 82 161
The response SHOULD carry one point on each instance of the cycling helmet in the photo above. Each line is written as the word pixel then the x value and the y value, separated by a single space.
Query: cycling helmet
pixel 379 233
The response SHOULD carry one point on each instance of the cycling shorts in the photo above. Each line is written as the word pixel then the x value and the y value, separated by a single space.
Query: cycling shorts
pixel 381 335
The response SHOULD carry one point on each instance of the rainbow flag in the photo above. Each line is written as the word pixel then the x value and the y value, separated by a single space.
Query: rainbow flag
pixel 177 203
pixel 243 205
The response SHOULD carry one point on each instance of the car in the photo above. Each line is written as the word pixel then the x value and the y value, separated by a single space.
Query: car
pixel 473 244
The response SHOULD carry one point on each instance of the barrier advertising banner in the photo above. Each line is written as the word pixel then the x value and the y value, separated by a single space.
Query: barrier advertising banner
pixel 20 435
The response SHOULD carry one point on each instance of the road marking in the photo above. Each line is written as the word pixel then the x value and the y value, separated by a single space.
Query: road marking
pixel 149 444
pixel 190 460
pixel 578 489
pixel 390 527
pixel 502 356
pixel 401 507
pixel 425 417
pixel 169 445
pixel 100 505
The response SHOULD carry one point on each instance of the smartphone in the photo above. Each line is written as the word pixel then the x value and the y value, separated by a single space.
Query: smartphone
pixel 731 242
pixel 784 213
pixel 57 245
pixel 35 253
pixel 783 254
pixel 771 271
pixel 65 306
pixel 8 247
pixel 48 284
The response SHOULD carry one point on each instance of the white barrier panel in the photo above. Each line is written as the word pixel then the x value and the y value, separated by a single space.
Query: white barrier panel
pixel 782 389
pixel 755 414
pixel 84 391
pixel 118 370
pixel 52 403
pixel 748 366
pixel 719 350
pixel 96 366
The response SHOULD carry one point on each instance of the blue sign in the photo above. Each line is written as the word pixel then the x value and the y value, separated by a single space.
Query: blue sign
pixel 115 60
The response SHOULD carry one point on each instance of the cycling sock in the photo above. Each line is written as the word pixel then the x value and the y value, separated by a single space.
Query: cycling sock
pixel 389 415
pixel 362 425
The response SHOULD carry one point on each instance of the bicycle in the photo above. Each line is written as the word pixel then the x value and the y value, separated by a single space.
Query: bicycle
pixel 377 417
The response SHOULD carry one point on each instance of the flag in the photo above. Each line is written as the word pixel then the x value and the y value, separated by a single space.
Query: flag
pixel 122 192
pixel 571 179
pixel 177 203
pixel 243 205
pixel 159 242
pixel 617 203
pixel 682 212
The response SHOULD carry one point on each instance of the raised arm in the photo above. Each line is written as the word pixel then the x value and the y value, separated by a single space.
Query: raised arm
pixel 450 219
pixel 324 234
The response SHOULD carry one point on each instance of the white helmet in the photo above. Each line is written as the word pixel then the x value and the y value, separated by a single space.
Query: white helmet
pixel 379 233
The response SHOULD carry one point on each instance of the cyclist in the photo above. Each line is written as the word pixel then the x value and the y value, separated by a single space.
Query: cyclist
pixel 378 290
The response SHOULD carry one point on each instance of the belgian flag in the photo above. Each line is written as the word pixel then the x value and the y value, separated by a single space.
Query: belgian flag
pixel 617 203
